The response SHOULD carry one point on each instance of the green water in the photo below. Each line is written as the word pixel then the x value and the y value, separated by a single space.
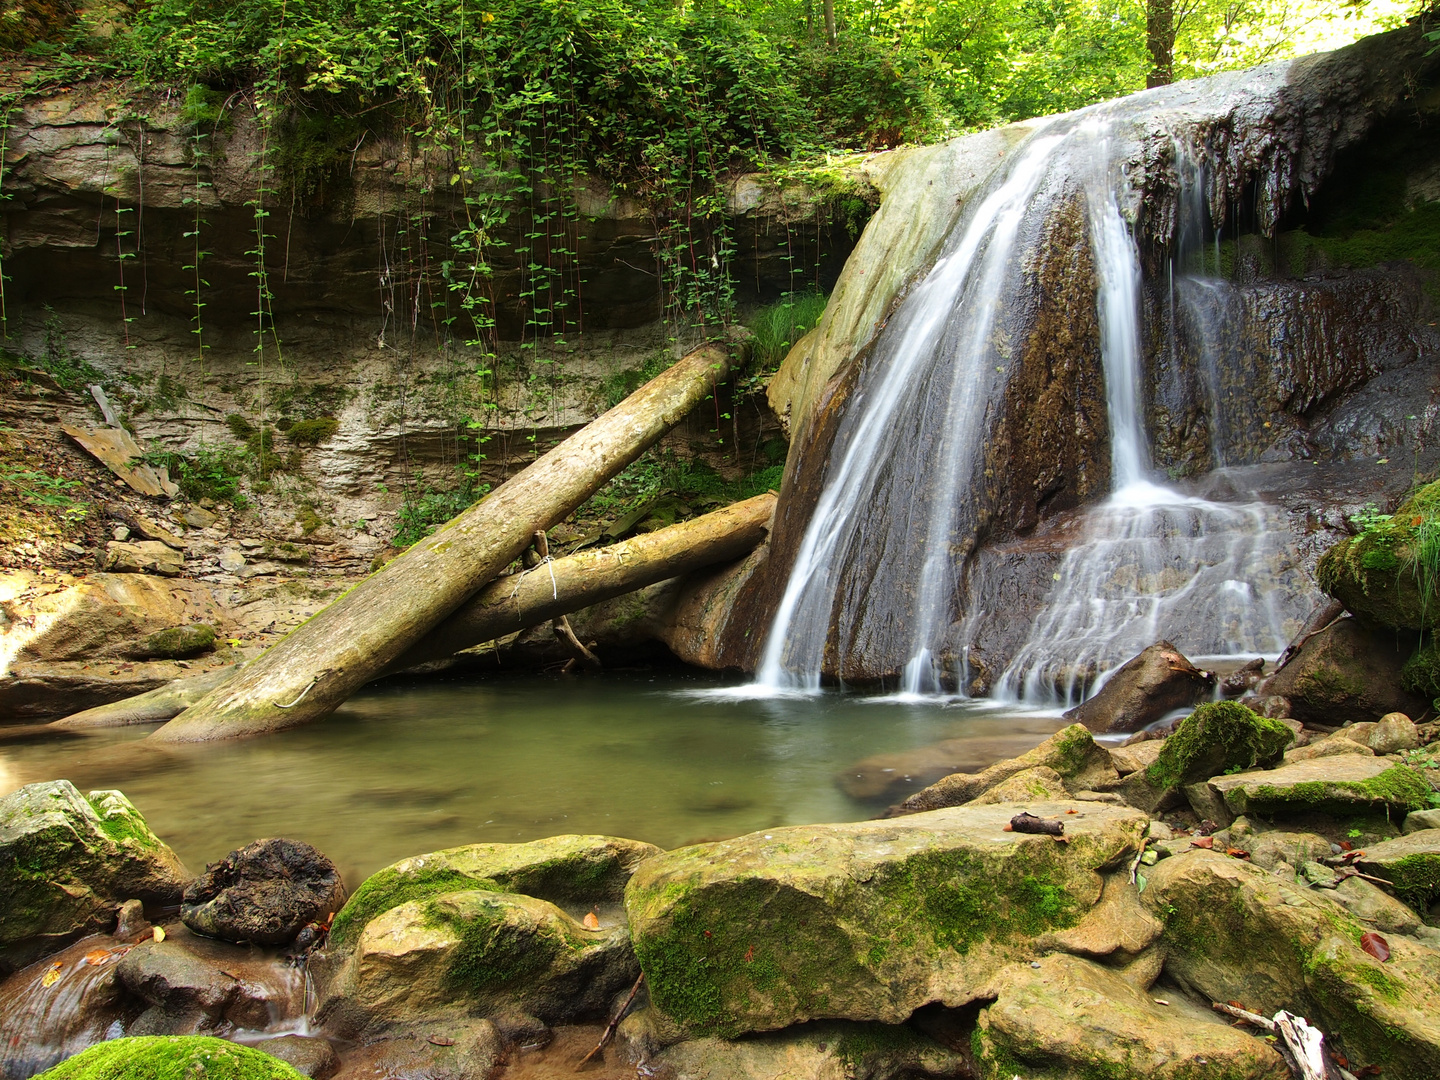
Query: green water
pixel 410 768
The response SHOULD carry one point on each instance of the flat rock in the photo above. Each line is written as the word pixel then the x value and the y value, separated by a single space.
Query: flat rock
pixel 308 1056
pixel 1374 906
pixel 1066 1018
pixel 893 776
pixel 1040 784
pixel 68 861
pixel 1411 863
pixel 1348 783
pixel 263 893
pixel 1421 819
pixel 1236 932
pixel 896 914
pixel 1335 745
pixel 116 449
pixel 1072 753
pixel 579 871
pixel 1136 756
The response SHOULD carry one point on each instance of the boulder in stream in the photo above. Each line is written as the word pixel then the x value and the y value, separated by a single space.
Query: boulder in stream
pixel 263 893
pixel 1146 687
pixel 68 861
pixel 862 921
pixel 1346 673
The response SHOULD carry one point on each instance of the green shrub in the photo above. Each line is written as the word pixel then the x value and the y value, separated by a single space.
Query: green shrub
pixel 427 511
pixel 779 326
pixel 312 432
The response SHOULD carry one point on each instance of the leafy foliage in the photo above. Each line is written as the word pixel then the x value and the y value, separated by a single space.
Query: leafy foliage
pixel 779 326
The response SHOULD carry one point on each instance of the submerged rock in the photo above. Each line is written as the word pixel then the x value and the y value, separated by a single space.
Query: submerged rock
pixel 862 921
pixel 1065 1018
pixel 1071 753
pixel 1345 673
pixel 1157 681
pixel 436 1050
pixel 68 861
pixel 1236 932
pixel 263 893
pixel 1346 784
pixel 170 1058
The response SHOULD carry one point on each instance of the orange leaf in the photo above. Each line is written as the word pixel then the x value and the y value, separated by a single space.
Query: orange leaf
pixel 1237 853
pixel 1375 945
pixel 1204 841
pixel 97 956
pixel 591 921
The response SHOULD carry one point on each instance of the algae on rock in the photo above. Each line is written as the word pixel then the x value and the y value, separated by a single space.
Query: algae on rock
pixel 171 1057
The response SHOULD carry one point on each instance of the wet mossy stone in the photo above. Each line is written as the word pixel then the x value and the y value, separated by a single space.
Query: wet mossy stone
pixel 1343 784
pixel 475 952
pixel 171 1057
pixel 577 870
pixel 1069 1019
pixel 177 643
pixel 1378 574
pixel 862 921
pixel 1218 737
pixel 67 861
pixel 1411 863
pixel 1235 932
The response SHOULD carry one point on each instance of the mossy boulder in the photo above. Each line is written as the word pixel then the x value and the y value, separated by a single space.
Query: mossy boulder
pixel 175 643
pixel 1380 575
pixel 1070 1019
pixel 171 1057
pixel 1218 737
pixel 1345 673
pixel 1071 753
pixel 67 861
pixel 1234 931
pixel 1344 784
pixel 578 871
pixel 471 953
pixel 1411 863
pixel 862 921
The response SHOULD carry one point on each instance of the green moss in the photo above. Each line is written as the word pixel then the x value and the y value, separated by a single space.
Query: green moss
pixel 120 821
pixel 389 889
pixel 1389 572
pixel 1416 878
pixel 1397 786
pixel 857 1044
pixel 171 1057
pixel 180 642
pixel 1329 687
pixel 1216 737
pixel 312 432
pixel 494 952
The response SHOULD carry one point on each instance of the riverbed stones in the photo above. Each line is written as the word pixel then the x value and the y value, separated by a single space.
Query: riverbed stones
pixel 1347 784
pixel 1065 1018
pixel 1071 753
pixel 579 871
pixel 445 1049
pixel 143 557
pixel 1234 931
pixel 1411 863
pixel 862 921
pixel 467 952
pixel 67 861
pixel 263 893
pixel 1157 681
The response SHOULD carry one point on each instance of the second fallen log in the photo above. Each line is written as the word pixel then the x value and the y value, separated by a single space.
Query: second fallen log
pixel 325 660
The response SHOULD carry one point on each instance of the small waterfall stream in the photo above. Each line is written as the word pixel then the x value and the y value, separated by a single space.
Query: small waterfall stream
pixel 1152 562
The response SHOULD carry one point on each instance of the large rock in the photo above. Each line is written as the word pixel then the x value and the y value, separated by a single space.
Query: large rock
pixel 1236 932
pixel 309 1056
pixel 68 861
pixel 1146 687
pixel 1411 863
pixel 1346 673
pixel 474 952
pixel 143 557
pixel 1071 752
pixel 573 870
pixel 173 1057
pixel 1218 737
pixel 862 921
pixel 263 893
pixel 1065 1018
pixel 1345 784
pixel 1373 573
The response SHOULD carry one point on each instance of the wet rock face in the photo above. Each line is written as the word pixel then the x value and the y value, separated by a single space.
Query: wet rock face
pixel 263 893
pixel 68 861
pixel 1346 673
pixel 1145 688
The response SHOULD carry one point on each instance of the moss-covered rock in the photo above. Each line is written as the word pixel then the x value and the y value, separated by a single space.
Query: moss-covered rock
pixel 1345 784
pixel 1411 863
pixel 1071 753
pixel 862 921
pixel 1040 784
pixel 1236 932
pixel 1070 1019
pixel 67 861
pixel 171 1057
pixel 1381 573
pixel 176 643
pixel 577 870
pixel 475 952
pixel 1216 738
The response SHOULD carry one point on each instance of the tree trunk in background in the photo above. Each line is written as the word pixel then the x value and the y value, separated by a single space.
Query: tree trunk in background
pixel 518 602
pixel 322 662
pixel 1160 40
pixel 829 9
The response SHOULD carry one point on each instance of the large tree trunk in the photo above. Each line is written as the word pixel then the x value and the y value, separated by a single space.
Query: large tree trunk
pixel 159 704
pixel 1160 31
pixel 557 588
pixel 322 662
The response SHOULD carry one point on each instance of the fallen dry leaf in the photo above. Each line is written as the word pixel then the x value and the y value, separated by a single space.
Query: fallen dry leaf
pixel 52 976
pixel 1204 841
pixel 1375 945
pixel 591 921
pixel 159 933
pixel 1237 853
pixel 97 956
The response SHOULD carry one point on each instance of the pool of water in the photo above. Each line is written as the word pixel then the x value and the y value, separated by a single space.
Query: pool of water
pixel 406 768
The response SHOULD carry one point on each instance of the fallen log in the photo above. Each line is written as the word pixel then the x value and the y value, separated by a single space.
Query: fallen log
pixel 513 603
pixel 315 668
